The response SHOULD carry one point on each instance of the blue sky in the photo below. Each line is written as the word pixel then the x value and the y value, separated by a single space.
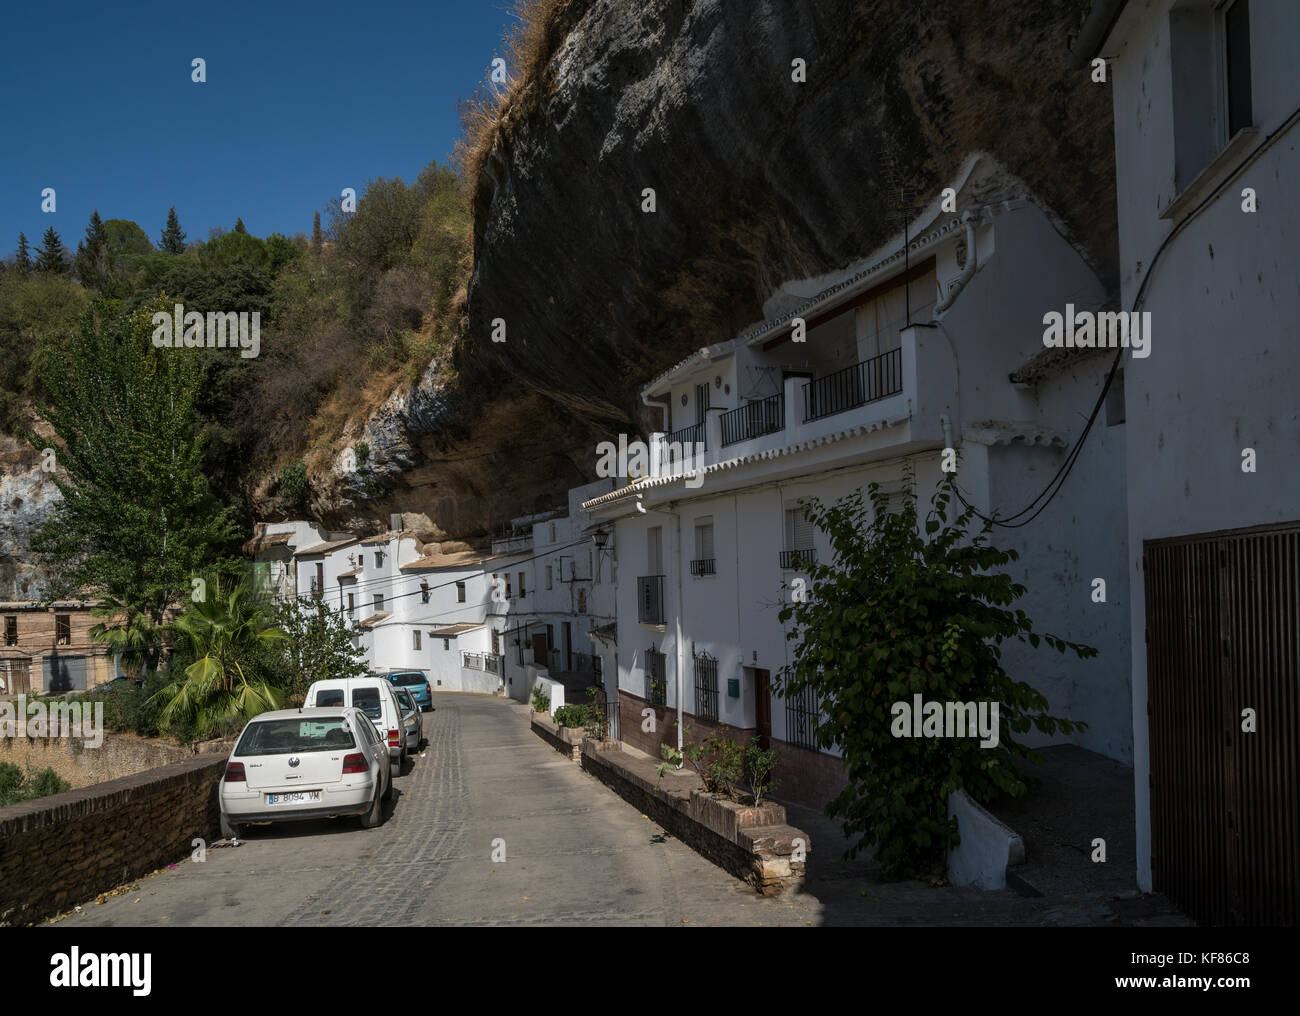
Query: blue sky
pixel 301 100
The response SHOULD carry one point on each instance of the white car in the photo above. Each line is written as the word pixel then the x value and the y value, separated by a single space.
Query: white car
pixel 373 696
pixel 411 724
pixel 296 764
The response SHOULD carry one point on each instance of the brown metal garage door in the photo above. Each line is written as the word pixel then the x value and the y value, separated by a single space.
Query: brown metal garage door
pixel 1223 636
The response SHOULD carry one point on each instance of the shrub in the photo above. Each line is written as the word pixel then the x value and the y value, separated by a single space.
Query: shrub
pixel 907 608
pixel 759 763
pixel 541 702
pixel 18 785
pixel 571 716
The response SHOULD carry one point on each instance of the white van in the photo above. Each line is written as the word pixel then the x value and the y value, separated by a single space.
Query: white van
pixel 373 696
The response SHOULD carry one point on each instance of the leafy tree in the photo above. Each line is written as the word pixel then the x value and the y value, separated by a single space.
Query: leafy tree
pixel 898 612
pixel 35 310
pixel 318 644
pixel 136 519
pixel 27 785
pixel 239 226
pixel 91 263
pixel 49 256
pixel 23 257
pixel 294 484
pixel 172 240
pixel 317 241
pixel 226 632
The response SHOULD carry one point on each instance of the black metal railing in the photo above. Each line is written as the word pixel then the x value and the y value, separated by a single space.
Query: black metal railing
pixel 854 386
pixel 801 717
pixel 482 661
pixel 704 566
pixel 650 599
pixel 656 683
pixel 793 560
pixel 754 419
pixel 691 435
pixel 706 687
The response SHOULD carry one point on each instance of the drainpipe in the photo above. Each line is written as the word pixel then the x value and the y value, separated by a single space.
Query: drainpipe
pixel 678 636
pixel 967 272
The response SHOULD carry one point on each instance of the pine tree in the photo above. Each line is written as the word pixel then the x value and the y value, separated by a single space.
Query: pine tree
pixel 239 226
pixel 23 260
pixel 173 238
pixel 50 256
pixel 91 263
pixel 316 239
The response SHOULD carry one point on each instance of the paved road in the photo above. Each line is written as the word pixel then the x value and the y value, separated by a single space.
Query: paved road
pixel 575 854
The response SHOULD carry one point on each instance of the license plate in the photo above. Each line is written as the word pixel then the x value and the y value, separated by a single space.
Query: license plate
pixel 301 797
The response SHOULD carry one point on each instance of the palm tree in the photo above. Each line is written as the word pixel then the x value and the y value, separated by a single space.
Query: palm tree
pixel 131 634
pixel 225 632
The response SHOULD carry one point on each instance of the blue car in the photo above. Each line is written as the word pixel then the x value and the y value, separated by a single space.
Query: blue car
pixel 417 683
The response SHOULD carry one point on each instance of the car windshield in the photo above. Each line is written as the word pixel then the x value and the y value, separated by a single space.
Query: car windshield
pixel 281 737
pixel 367 700
pixel 407 680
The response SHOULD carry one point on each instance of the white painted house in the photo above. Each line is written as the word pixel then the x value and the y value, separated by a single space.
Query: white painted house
pixel 1206 101
pixel 851 376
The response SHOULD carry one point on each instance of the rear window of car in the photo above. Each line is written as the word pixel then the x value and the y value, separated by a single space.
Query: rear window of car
pixel 407 679
pixel 328 698
pixel 367 700
pixel 282 737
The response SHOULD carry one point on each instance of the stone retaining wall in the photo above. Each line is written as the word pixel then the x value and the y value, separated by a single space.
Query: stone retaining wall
pixel 120 755
pixel 59 851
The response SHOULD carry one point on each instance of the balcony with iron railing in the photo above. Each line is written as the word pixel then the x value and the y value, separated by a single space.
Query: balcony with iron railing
pixel 854 386
pixel 650 600
pixel 754 419
pixel 798 560
pixel 704 566
pixel 900 401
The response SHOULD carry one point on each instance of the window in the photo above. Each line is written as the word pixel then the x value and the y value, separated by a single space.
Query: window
pixel 654 550
pixel 496 643
pixel 415 641
pixel 509 594
pixel 552 532
pixel 367 700
pixel 798 539
pixel 522 591
pixel 703 563
pixel 656 685
pixel 329 698
pixel 1236 48
pixel 801 718
pixel 424 592
pixel 706 687
pixel 460 592
pixel 446 645
pixel 548 576
pixel 11 629
pixel 318 583
pixel 62 629
pixel 379 602
pixel 379 558
pixel 582 601
pixel 352 606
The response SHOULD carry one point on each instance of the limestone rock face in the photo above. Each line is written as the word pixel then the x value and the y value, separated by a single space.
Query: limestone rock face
pixel 757 179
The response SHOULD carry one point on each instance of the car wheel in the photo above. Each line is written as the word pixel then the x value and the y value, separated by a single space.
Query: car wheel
pixel 230 830
pixel 395 766
pixel 388 790
pixel 375 816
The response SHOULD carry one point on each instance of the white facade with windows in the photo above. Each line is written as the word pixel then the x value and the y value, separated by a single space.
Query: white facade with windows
pixel 852 377
pixel 1206 101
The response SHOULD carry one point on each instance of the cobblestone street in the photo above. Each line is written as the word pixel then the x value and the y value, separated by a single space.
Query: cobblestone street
pixel 575 854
